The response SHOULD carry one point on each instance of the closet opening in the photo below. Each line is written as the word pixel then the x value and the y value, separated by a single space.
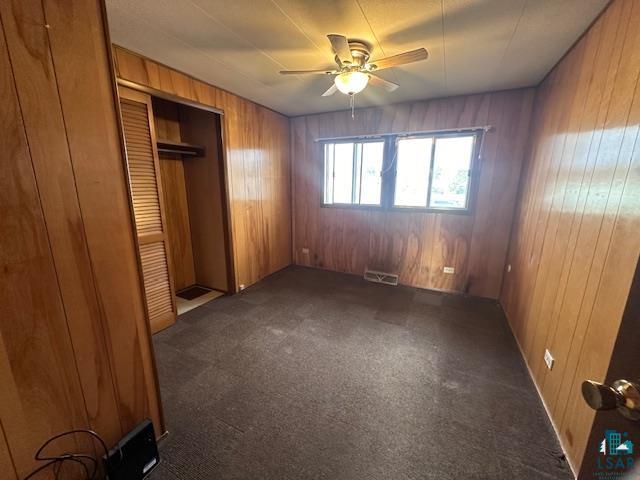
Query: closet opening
pixel 178 191
pixel 189 150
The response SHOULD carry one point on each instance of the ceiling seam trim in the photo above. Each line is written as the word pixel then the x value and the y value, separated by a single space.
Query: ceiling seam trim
pixel 444 49
pixel 202 52
pixel 366 19
pixel 511 37
pixel 300 29
pixel 237 36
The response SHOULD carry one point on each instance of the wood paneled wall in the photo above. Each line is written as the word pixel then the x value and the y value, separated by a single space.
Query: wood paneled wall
pixel 576 237
pixel 415 245
pixel 624 365
pixel 256 145
pixel 174 190
pixel 178 227
pixel 203 177
pixel 75 347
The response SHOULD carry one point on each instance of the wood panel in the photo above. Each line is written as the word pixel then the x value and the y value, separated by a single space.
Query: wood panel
pixel 74 344
pixel 79 45
pixel 178 224
pixel 415 245
pixel 167 120
pixel 6 462
pixel 148 206
pixel 576 236
pixel 204 176
pixel 41 390
pixel 176 208
pixel 256 164
pixel 624 365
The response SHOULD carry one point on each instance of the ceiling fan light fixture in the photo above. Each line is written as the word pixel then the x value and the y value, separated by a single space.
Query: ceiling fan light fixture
pixel 351 83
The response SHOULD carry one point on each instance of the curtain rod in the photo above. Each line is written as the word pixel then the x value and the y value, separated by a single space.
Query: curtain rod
pixel 484 128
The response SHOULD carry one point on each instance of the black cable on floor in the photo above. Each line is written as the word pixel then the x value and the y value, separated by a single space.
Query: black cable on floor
pixel 57 461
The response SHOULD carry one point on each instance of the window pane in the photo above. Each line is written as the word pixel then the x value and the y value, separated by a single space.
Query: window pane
pixel 343 173
pixel 356 171
pixel 412 172
pixel 328 172
pixel 370 179
pixel 450 183
pixel 352 172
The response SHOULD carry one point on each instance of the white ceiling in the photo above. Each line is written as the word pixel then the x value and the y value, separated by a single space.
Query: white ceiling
pixel 240 45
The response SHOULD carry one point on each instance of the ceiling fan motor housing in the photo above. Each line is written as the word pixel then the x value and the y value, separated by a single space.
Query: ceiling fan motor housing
pixel 354 71
pixel 360 53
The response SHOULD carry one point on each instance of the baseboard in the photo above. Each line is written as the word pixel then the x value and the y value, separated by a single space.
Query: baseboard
pixel 420 287
pixel 556 430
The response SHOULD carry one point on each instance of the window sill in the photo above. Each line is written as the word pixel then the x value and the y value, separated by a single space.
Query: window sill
pixel 351 206
pixel 453 211
pixel 379 208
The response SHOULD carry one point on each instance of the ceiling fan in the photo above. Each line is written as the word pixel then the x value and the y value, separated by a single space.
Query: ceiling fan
pixel 355 70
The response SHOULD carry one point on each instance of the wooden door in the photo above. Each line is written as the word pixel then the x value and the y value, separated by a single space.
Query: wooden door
pixel 148 207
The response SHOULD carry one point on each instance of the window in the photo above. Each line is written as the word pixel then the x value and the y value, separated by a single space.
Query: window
pixel 413 164
pixel 353 172
pixel 427 172
pixel 434 172
pixel 451 172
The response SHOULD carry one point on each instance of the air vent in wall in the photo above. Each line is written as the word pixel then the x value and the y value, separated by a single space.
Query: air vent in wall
pixel 381 277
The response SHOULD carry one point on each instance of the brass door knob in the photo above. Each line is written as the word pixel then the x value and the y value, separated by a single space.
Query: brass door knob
pixel 622 394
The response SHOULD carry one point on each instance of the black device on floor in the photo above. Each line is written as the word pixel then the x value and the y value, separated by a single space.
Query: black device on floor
pixel 135 456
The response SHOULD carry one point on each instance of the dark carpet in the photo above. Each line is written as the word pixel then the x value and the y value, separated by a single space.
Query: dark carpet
pixel 321 375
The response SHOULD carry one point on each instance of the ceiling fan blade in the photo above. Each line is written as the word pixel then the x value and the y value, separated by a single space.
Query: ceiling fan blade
pixel 332 89
pixel 340 46
pixel 400 59
pixel 381 82
pixel 306 72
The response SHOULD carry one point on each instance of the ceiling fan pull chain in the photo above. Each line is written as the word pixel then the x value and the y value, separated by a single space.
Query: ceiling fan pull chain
pixel 352 102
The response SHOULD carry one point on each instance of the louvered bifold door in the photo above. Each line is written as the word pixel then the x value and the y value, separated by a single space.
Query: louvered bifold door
pixel 146 195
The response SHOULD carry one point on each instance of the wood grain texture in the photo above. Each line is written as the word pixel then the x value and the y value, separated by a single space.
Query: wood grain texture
pixel 6 462
pixel 256 164
pixel 176 207
pixel 415 245
pixel 78 43
pixel 147 198
pixel 203 177
pixel 624 364
pixel 576 237
pixel 41 389
pixel 177 215
pixel 74 344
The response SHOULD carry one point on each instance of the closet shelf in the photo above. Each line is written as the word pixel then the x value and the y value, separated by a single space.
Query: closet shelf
pixel 168 146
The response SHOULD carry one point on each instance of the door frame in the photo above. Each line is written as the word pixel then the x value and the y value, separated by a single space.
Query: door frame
pixel 227 225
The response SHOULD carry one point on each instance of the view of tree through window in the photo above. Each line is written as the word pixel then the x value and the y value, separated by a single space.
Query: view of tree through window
pixel 451 166
pixel 434 172
pixel 426 171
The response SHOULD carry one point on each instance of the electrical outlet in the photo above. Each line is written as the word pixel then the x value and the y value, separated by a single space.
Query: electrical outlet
pixel 305 251
pixel 548 359
pixel 242 286
pixel 449 270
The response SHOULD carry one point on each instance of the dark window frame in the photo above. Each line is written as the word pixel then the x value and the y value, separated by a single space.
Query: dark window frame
pixel 354 179
pixel 389 171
